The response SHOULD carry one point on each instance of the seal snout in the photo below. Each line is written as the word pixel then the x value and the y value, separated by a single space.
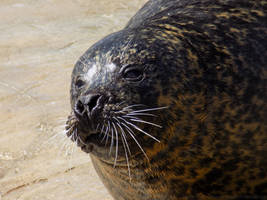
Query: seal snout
pixel 87 105
pixel 87 109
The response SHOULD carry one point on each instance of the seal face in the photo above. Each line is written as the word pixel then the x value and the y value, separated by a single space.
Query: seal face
pixel 174 105
pixel 108 84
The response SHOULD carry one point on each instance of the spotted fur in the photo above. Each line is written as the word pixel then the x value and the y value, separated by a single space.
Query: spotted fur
pixel 207 61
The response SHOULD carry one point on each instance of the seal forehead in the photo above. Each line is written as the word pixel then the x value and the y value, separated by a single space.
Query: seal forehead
pixel 91 73
pixel 99 73
pixel 110 67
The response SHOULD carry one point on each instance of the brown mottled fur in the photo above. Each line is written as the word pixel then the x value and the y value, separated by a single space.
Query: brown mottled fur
pixel 208 63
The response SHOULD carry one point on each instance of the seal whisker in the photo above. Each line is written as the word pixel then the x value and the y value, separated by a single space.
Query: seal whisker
pixel 150 109
pixel 112 139
pixel 139 129
pixel 97 126
pixel 63 146
pixel 79 138
pixel 67 128
pixel 61 120
pixel 53 137
pixel 76 135
pixel 126 125
pixel 121 111
pixel 135 140
pixel 117 144
pixel 125 151
pixel 72 135
pixel 74 142
pixel 141 114
pixel 120 103
pixel 107 133
pixel 102 129
pixel 123 134
pixel 71 117
pixel 68 131
pixel 134 105
pixel 135 119
pixel 68 149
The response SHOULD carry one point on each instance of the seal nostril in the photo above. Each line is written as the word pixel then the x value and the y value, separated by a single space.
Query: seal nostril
pixel 93 102
pixel 80 107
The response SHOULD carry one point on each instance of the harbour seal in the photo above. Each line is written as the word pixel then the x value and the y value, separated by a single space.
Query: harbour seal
pixel 173 106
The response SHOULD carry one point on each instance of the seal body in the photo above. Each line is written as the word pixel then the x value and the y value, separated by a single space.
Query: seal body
pixel 174 105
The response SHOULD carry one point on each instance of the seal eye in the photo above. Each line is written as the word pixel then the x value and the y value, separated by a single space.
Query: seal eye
pixel 79 83
pixel 133 74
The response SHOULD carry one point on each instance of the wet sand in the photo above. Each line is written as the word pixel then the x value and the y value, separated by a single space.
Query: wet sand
pixel 40 41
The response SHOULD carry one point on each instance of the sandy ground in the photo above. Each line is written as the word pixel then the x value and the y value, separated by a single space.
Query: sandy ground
pixel 40 41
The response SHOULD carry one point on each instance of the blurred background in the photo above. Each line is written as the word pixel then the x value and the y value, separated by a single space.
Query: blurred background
pixel 40 41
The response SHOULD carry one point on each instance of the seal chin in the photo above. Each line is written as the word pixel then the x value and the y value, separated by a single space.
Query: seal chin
pixel 85 138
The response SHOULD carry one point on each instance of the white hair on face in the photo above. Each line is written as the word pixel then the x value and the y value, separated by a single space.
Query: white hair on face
pixel 91 73
pixel 111 67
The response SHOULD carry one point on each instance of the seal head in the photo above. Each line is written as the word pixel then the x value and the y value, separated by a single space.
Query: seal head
pixel 108 83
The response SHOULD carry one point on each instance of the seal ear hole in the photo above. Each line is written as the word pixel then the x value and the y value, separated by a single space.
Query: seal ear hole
pixel 79 83
pixel 133 74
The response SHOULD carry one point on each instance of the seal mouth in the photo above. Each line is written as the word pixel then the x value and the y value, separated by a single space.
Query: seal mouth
pixel 113 133
pixel 87 143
